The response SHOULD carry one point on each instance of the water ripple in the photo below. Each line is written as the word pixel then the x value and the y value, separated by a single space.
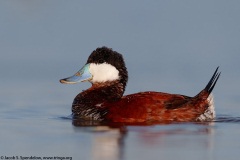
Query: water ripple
pixel 228 119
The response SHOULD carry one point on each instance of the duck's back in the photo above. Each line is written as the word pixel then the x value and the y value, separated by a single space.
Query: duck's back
pixel 156 106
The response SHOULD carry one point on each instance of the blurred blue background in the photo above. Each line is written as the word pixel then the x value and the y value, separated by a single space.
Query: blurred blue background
pixel 169 46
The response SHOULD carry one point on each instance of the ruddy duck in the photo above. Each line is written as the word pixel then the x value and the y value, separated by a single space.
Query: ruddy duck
pixel 104 100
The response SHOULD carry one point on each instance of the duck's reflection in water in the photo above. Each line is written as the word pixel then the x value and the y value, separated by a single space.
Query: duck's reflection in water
pixel 108 141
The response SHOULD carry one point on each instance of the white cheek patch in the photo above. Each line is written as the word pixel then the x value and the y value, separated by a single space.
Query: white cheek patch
pixel 103 72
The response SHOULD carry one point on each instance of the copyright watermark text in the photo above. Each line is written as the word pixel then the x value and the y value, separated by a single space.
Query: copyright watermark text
pixel 34 158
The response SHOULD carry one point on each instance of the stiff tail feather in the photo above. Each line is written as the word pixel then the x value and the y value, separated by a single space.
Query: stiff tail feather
pixel 211 84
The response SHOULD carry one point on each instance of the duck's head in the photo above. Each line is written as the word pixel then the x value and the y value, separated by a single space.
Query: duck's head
pixel 103 65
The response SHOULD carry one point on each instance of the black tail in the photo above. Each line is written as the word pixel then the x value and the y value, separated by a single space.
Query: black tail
pixel 212 81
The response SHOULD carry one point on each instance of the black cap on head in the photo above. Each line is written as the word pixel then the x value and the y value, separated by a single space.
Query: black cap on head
pixel 107 55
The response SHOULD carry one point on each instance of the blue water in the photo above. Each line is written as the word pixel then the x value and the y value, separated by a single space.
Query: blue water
pixel 61 137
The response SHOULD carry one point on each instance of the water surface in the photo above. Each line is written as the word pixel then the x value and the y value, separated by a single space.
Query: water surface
pixel 62 137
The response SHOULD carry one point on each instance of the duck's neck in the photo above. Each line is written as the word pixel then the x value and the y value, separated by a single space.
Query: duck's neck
pixel 87 104
pixel 100 92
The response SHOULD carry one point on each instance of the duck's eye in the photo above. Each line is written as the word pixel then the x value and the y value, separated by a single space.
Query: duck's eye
pixel 100 61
